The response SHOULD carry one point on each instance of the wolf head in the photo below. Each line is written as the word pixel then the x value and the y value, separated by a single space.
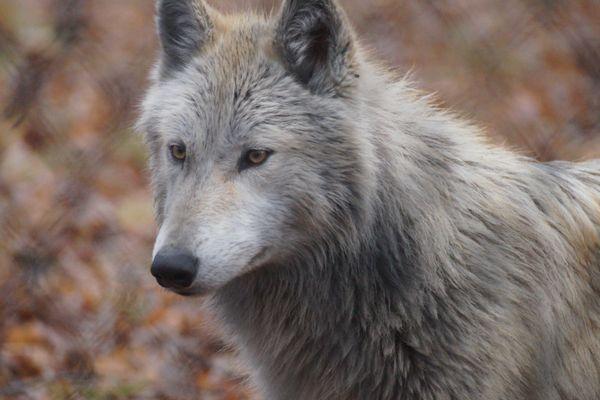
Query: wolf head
pixel 256 152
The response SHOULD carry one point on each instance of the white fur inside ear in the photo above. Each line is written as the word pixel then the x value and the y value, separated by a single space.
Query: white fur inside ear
pixel 183 27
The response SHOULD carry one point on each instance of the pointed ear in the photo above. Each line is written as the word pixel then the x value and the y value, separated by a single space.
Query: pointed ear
pixel 316 43
pixel 184 26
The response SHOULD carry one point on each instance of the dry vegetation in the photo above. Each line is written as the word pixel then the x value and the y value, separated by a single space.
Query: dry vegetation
pixel 80 317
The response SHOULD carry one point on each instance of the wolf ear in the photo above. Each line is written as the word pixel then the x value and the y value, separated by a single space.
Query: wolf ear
pixel 316 43
pixel 183 27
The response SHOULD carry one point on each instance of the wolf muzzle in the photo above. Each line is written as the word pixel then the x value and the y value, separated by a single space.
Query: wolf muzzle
pixel 174 268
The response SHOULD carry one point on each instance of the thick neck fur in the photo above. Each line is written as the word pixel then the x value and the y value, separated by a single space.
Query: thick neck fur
pixel 457 269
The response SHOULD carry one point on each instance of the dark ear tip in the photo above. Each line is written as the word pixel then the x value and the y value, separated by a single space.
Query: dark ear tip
pixel 314 41
pixel 183 28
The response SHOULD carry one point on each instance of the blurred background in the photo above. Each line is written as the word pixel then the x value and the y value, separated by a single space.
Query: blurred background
pixel 80 316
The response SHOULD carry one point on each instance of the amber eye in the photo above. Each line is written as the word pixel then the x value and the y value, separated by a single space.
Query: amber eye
pixel 178 151
pixel 256 157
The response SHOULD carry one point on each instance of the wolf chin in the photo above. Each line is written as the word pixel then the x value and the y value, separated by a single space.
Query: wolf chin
pixel 356 241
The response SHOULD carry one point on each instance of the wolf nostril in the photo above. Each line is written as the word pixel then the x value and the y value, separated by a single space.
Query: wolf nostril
pixel 174 268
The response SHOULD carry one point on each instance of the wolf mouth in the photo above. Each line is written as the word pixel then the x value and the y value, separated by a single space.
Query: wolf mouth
pixel 256 262
pixel 189 293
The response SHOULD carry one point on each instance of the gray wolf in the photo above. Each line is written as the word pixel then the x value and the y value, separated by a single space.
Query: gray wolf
pixel 356 241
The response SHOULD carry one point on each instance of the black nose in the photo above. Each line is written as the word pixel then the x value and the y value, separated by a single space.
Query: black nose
pixel 174 268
